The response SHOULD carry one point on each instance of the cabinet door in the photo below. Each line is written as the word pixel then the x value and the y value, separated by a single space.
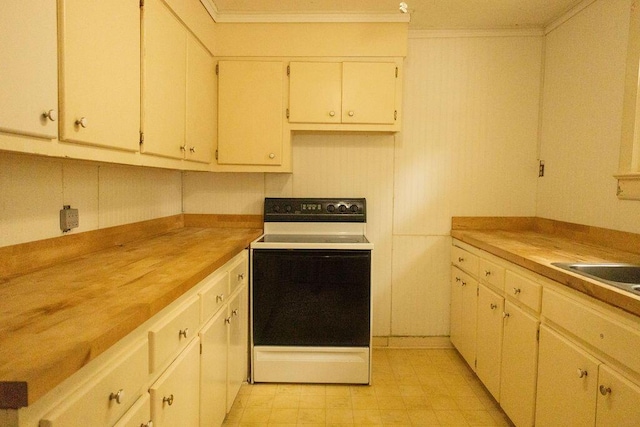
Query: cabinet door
pixel 164 81
pixel 315 92
pixel 368 92
pixel 250 112
pixel 238 344
pixel 455 334
pixel 100 72
pixel 201 102
pixel 567 383
pixel 618 402
pixel 463 314
pixel 519 365
pixel 29 68
pixel 213 371
pixel 489 339
pixel 139 415
pixel 175 396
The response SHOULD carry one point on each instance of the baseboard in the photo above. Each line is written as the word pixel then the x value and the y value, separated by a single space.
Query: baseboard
pixel 412 342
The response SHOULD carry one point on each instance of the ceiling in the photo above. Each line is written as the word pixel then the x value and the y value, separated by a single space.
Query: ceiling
pixel 425 14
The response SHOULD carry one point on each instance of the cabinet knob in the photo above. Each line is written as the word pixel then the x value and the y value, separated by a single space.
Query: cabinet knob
pixel 582 373
pixel 272 156
pixel 192 149
pixel 332 113
pixel 220 298
pixel 82 122
pixel 487 273
pixel 505 314
pixel 168 400
pixel 464 283
pixel 234 312
pixel 240 277
pixel 605 390
pixel 516 291
pixel 351 113
pixel 183 332
pixel 457 279
pixel 118 396
pixel 493 306
pixel 183 148
pixel 460 259
pixel 227 320
pixel 51 115
pixel 148 424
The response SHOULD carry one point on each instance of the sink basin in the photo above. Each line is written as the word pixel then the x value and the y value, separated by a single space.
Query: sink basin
pixel 622 276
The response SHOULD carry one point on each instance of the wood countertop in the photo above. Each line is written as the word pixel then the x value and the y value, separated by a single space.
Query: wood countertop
pixel 56 319
pixel 535 243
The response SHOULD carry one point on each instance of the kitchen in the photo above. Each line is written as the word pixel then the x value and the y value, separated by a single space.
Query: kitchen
pixel 480 109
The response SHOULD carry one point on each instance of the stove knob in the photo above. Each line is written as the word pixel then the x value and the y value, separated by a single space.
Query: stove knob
pixel 287 208
pixel 342 208
pixel 331 208
pixel 276 208
pixel 354 208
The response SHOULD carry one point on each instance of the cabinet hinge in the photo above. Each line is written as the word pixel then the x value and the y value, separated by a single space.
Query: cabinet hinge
pixel 475 363
pixel 141 137
pixel 288 70
pixel 216 154
pixel 141 3
pixel 538 334
pixel 200 348
pixel 396 72
pixel 287 113
pixel 478 291
pixel 217 69
pixel 395 114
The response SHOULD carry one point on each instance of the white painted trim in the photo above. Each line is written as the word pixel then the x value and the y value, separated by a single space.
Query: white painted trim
pixel 457 33
pixel 565 17
pixel 211 8
pixel 412 342
pixel 306 17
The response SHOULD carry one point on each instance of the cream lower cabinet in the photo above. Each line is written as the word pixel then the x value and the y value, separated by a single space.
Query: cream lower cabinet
pixel 213 373
pixel 139 415
pixel 28 54
pixel 100 72
pixel 251 112
pixel 464 303
pixel 618 400
pixel 175 396
pixel 489 339
pixel 238 343
pixel 519 365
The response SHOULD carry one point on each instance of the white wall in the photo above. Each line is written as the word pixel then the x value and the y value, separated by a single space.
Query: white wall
pixel 468 148
pixel 34 189
pixel 581 119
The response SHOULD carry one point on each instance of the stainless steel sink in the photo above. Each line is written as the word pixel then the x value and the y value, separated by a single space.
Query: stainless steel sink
pixel 622 276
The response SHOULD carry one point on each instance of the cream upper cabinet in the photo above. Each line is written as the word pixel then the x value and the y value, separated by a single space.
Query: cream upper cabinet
pixel 489 339
pixel 201 102
pixel 618 401
pixel 519 365
pixel 29 68
pixel 250 112
pixel 100 72
pixel 343 92
pixel 164 81
pixel 567 383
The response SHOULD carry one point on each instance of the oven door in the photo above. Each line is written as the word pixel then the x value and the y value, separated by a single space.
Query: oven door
pixel 311 298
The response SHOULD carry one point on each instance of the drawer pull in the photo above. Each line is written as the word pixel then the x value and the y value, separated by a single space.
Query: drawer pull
pixel 168 400
pixel 51 115
pixel 117 396
pixel 487 273
pixel 234 312
pixel 227 320
pixel 82 122
pixel 220 298
pixel 605 390
pixel 183 332
pixel 457 279
pixel 460 259
pixel 582 373
pixel 240 277
pixel 516 291
pixel 493 306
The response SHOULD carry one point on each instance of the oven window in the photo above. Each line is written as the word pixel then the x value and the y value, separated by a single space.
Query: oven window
pixel 311 297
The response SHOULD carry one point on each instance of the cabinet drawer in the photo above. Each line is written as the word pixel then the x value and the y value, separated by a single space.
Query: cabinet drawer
pixel 464 260
pixel 491 273
pixel 601 331
pixel 524 290
pixel 98 403
pixel 238 275
pixel 214 295
pixel 173 333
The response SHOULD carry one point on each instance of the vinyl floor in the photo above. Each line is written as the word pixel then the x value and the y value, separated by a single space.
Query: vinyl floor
pixel 410 387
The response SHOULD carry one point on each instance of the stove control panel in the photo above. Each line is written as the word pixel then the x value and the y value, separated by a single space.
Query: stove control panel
pixel 314 210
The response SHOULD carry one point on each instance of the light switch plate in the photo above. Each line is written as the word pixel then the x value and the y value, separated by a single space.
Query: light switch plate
pixel 69 218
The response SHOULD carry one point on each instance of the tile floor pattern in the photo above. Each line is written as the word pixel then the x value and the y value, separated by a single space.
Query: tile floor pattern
pixel 410 387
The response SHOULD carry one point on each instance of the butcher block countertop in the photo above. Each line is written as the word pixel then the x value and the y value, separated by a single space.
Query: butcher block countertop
pixel 535 243
pixel 87 291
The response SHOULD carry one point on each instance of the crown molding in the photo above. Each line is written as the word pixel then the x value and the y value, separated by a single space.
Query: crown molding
pixel 457 33
pixel 211 8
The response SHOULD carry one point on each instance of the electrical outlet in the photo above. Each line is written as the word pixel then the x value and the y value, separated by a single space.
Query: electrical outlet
pixel 69 218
